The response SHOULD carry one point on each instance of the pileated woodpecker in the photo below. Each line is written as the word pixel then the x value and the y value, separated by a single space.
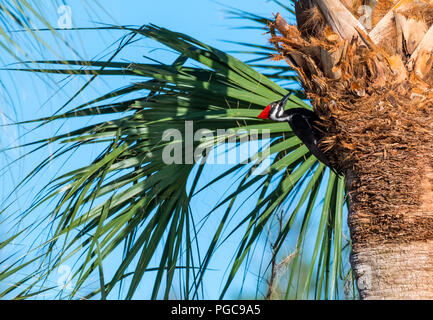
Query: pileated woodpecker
pixel 304 124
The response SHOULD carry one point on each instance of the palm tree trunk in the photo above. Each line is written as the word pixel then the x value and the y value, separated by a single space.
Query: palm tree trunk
pixel 394 271
pixel 392 252
pixel 372 88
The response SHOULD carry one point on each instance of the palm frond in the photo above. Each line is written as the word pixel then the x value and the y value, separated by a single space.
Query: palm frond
pixel 129 196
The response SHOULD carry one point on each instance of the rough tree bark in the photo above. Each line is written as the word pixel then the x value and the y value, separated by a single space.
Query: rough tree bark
pixel 372 89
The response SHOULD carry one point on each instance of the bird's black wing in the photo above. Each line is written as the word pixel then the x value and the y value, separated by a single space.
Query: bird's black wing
pixel 304 126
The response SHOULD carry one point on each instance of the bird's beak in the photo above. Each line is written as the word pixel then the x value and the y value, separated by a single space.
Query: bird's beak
pixel 285 99
pixel 265 113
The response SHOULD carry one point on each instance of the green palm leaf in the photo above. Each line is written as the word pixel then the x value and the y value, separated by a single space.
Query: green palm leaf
pixel 128 196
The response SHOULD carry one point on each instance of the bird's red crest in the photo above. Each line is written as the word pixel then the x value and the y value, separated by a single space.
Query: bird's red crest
pixel 265 113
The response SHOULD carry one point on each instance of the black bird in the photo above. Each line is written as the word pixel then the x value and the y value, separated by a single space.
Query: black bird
pixel 304 124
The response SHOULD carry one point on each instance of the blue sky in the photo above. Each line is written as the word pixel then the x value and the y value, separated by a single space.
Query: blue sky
pixel 36 97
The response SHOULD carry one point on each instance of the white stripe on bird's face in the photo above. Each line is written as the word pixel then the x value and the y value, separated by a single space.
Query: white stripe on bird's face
pixel 276 112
